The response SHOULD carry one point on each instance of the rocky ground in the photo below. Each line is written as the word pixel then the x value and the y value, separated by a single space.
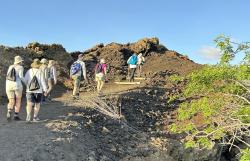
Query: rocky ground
pixel 73 130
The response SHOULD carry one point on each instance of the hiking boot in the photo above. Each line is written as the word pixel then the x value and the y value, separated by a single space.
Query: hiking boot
pixel 36 119
pixel 9 115
pixel 75 97
pixel 17 118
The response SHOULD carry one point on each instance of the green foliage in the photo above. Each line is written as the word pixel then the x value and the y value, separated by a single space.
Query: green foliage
pixel 229 49
pixel 176 78
pixel 245 155
pixel 219 104
pixel 190 144
pixel 244 114
pixel 216 78
pixel 173 98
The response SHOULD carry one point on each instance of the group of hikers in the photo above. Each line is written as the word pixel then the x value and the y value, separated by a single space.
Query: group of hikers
pixel 39 81
pixel 41 78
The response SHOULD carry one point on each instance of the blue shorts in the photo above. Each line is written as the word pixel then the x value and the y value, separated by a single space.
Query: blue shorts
pixel 34 97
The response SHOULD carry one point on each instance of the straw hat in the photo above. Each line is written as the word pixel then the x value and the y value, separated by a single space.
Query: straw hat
pixel 51 62
pixel 44 61
pixel 36 63
pixel 18 59
pixel 102 61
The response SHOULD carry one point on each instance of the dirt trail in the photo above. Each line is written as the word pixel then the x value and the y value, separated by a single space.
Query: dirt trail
pixel 20 141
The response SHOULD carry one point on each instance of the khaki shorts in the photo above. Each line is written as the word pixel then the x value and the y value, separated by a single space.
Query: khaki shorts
pixel 99 77
pixel 14 93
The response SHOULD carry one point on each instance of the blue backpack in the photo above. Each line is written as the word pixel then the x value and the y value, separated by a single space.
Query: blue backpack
pixel 75 68
pixel 133 60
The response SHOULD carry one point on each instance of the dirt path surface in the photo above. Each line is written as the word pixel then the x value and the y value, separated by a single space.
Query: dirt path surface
pixel 53 138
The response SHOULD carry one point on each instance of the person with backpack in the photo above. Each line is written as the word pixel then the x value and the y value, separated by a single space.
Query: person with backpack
pixel 132 62
pixel 35 87
pixel 100 74
pixel 45 71
pixel 141 61
pixel 14 87
pixel 77 71
pixel 52 77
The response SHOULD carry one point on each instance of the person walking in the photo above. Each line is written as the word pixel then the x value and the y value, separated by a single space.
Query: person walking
pixel 77 71
pixel 52 78
pixel 36 86
pixel 100 74
pixel 132 62
pixel 141 61
pixel 14 87
pixel 45 71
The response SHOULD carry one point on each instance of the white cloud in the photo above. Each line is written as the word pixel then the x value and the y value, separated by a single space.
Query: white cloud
pixel 209 53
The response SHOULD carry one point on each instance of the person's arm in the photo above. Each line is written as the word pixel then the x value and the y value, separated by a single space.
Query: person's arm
pixel 43 82
pixel 54 74
pixel 10 67
pixel 84 71
pixel 46 73
pixel 129 60
pixel 21 74
pixel 105 69
pixel 27 77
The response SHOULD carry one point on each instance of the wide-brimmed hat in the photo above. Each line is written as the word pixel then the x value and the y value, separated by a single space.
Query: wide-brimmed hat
pixel 18 59
pixel 102 61
pixel 44 61
pixel 51 62
pixel 36 63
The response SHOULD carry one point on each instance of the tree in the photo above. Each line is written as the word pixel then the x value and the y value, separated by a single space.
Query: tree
pixel 218 105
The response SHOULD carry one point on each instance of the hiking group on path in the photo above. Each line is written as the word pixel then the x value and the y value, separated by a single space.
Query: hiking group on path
pixel 41 78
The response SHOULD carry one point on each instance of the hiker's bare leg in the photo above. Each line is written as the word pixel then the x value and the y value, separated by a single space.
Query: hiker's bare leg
pixel 11 104
pixel 50 84
pixel 101 85
pixel 18 105
pixel 28 110
pixel 36 109
pixel 139 70
pixel 129 72
pixel 98 86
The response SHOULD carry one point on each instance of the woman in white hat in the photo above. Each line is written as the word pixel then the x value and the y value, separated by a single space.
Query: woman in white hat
pixel 36 86
pixel 140 62
pixel 52 78
pixel 100 73
pixel 45 71
pixel 14 87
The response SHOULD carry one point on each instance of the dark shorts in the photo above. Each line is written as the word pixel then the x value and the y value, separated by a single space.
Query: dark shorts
pixel 34 97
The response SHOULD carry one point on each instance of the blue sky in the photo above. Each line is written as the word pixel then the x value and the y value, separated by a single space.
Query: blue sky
pixel 187 26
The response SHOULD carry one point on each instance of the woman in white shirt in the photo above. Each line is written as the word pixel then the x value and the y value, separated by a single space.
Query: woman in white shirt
pixel 34 91
pixel 14 88
pixel 141 61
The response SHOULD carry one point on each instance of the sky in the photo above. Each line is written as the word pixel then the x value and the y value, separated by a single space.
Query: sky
pixel 186 26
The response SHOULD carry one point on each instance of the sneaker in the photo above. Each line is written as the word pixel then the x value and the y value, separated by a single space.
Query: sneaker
pixel 17 118
pixel 8 115
pixel 28 118
pixel 36 119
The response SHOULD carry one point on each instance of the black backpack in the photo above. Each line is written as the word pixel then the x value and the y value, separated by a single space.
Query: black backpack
pixel 11 75
pixel 34 84
pixel 98 68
